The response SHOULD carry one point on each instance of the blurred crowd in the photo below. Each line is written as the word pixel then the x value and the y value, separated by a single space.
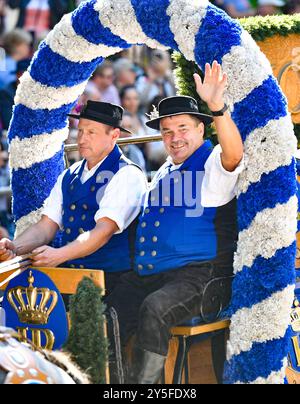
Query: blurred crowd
pixel 137 78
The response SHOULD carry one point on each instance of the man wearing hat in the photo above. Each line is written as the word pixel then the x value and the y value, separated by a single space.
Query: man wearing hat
pixel 93 203
pixel 186 233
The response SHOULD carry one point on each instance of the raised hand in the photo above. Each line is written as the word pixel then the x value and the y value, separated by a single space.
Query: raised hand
pixel 7 250
pixel 212 89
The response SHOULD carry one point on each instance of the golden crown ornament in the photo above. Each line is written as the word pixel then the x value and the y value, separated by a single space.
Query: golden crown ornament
pixel 33 305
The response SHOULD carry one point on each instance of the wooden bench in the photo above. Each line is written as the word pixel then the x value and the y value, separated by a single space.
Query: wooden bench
pixel 186 335
pixel 66 279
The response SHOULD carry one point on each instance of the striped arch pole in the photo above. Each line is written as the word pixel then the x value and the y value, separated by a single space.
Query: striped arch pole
pixel 264 262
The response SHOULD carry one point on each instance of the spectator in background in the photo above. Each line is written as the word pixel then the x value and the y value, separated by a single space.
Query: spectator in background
pixel 130 101
pixel 269 7
pixel 39 16
pixel 7 95
pixel 103 80
pixel 292 7
pixel 6 219
pixel 155 152
pixel 2 16
pixel 17 47
pixel 90 93
pixel 218 3
pixel 132 152
pixel 124 72
pixel 238 8
pixel 158 81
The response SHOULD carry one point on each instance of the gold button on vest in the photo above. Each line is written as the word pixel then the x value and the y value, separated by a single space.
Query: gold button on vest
pixel 73 207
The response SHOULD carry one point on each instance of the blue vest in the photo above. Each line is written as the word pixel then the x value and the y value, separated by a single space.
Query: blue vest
pixel 80 204
pixel 174 230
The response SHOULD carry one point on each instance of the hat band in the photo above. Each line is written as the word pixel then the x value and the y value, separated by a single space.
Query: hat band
pixel 101 117
pixel 177 110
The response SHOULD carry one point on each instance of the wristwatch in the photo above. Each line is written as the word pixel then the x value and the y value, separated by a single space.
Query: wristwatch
pixel 221 112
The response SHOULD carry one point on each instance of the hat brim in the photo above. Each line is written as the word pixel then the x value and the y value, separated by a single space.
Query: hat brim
pixel 155 123
pixel 99 121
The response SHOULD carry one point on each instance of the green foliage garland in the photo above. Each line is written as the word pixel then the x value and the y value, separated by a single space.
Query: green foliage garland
pixel 261 28
pixel 87 343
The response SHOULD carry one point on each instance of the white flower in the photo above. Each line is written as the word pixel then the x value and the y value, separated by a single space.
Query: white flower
pixel 24 153
pixel 186 17
pixel 64 41
pixel 267 149
pixel 46 97
pixel 271 230
pixel 120 18
pixel 246 324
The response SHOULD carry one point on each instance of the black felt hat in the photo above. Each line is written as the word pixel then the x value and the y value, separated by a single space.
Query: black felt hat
pixel 102 112
pixel 177 105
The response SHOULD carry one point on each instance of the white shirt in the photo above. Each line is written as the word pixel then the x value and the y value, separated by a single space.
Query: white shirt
pixel 218 186
pixel 121 201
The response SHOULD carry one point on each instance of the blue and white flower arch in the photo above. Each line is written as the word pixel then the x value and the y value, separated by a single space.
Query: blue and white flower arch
pixel 264 263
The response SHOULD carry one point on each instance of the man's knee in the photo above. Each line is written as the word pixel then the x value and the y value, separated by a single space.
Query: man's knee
pixel 154 308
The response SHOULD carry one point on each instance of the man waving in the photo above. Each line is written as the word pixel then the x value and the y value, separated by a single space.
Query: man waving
pixel 186 234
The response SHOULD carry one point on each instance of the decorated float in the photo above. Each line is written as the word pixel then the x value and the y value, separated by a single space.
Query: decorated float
pixel 259 55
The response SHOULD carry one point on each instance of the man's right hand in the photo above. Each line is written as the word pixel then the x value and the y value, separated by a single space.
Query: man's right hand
pixel 7 250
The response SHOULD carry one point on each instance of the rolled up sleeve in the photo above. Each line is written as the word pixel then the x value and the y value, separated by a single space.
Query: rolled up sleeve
pixel 219 185
pixel 122 198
